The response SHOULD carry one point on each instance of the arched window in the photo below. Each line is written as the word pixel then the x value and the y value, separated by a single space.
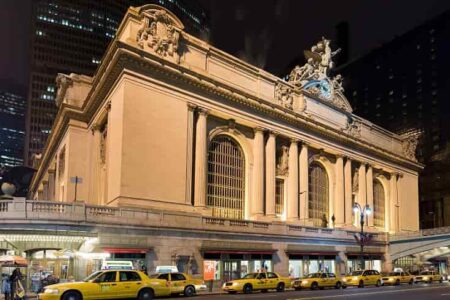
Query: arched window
pixel 226 178
pixel 378 204
pixel 318 202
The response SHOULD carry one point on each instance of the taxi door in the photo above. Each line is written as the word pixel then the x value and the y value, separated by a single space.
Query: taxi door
pixel 261 281
pixel 272 280
pixel 323 280
pixel 368 278
pixel 106 286
pixel 177 283
pixel 403 277
pixel 129 284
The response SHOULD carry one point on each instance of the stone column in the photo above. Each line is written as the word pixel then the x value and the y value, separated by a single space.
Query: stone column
pixel 201 152
pixel 393 203
pixel 362 193
pixel 292 205
pixel 369 181
pixel 304 185
pixel 270 174
pixel 348 192
pixel 51 184
pixel 257 206
pixel 339 198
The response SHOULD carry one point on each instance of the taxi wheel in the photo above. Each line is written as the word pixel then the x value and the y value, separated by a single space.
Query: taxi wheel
pixel 280 287
pixel 361 284
pixel 145 294
pixel 379 283
pixel 411 281
pixel 431 281
pixel 71 295
pixel 189 291
pixel 397 282
pixel 314 286
pixel 248 289
pixel 338 285
pixel 441 280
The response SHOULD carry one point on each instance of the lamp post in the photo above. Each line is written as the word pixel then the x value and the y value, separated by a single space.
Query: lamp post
pixel 364 211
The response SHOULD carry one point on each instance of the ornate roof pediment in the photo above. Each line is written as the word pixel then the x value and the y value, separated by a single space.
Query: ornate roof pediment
pixel 313 77
pixel 160 31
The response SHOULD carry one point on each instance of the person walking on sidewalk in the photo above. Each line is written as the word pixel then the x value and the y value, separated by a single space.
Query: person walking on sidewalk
pixel 16 286
pixel 6 287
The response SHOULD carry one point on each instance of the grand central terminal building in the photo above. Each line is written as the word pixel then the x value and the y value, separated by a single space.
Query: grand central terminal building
pixel 176 152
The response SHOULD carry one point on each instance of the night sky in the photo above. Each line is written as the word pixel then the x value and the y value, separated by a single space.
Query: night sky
pixel 267 33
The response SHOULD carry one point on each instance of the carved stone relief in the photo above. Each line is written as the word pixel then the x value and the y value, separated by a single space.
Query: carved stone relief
pixel 284 96
pixel 159 33
pixel 283 162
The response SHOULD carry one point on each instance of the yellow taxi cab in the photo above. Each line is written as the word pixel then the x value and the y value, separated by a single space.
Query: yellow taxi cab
pixel 396 278
pixel 263 281
pixel 181 283
pixel 316 281
pixel 108 284
pixel 362 279
pixel 429 277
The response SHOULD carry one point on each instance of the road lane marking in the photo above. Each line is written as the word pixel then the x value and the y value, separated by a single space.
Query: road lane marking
pixel 367 294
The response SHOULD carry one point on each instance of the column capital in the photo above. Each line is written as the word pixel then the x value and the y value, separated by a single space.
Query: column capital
pixel 397 174
pixel 294 140
pixel 108 106
pixel 259 129
pixel 191 106
pixel 305 143
pixel 203 111
pixel 95 127
pixel 273 132
pixel 339 155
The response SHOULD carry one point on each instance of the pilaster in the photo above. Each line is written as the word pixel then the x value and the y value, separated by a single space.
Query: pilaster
pixel 304 185
pixel 201 151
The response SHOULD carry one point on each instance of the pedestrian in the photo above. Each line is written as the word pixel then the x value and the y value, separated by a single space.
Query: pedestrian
pixel 16 286
pixel 6 287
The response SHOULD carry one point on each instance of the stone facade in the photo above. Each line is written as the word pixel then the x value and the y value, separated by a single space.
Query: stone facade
pixel 143 136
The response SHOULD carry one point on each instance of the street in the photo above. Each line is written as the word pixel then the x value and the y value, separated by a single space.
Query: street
pixel 416 292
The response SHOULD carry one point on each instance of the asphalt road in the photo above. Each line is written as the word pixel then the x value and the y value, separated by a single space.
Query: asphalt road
pixel 407 292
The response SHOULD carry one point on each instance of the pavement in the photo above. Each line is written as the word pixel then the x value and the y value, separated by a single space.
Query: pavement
pixel 438 291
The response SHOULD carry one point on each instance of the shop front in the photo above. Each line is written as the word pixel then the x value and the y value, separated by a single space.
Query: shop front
pixel 372 261
pixel 223 262
pixel 304 260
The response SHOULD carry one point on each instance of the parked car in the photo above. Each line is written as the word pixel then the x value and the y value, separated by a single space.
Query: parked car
pixel 108 285
pixel 263 281
pixel 396 278
pixel 429 277
pixel 362 278
pixel 316 281
pixel 181 283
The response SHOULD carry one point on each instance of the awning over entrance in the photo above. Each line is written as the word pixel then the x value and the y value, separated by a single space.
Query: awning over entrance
pixel 368 251
pixel 311 250
pixel 126 250
pixel 236 247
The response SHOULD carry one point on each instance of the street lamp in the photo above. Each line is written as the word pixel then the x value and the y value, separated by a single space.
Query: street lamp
pixel 364 211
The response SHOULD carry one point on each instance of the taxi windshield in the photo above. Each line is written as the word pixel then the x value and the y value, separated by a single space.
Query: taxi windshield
pixel 313 275
pixel 426 273
pixel 250 276
pixel 394 274
pixel 356 273
pixel 154 275
pixel 92 276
